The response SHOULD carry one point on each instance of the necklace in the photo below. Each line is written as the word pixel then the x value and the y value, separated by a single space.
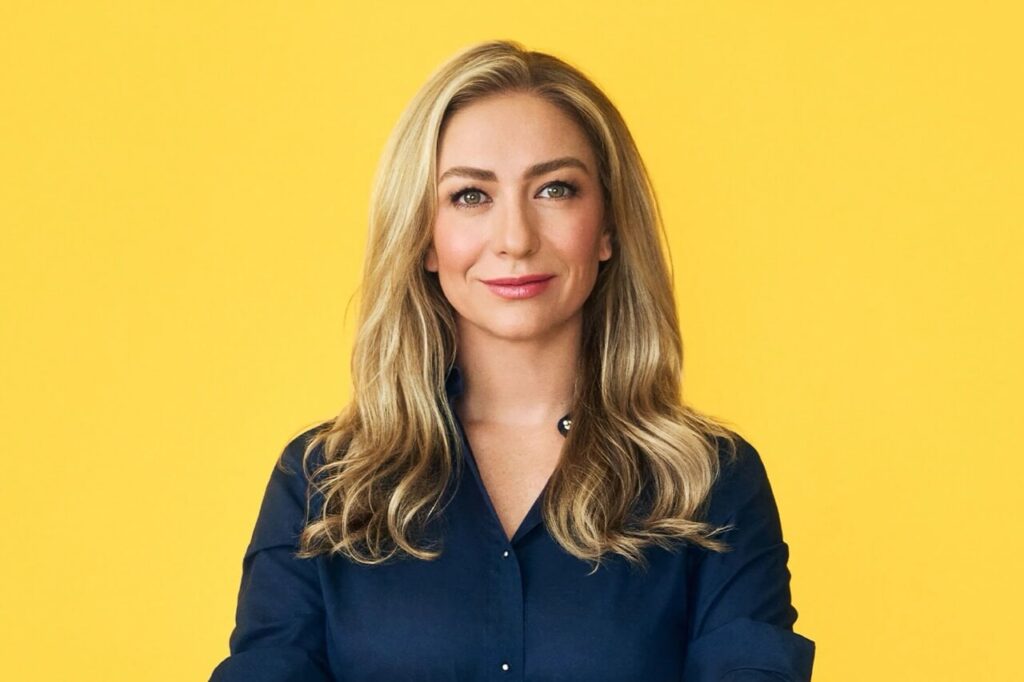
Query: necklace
pixel 564 424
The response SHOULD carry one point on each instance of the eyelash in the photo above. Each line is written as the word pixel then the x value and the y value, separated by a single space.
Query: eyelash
pixel 454 197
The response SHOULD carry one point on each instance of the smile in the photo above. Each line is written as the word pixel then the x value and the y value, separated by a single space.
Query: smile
pixel 513 288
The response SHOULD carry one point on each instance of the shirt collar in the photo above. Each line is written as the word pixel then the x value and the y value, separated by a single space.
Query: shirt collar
pixel 453 384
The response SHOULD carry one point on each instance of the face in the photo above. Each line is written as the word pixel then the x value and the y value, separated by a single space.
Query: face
pixel 519 197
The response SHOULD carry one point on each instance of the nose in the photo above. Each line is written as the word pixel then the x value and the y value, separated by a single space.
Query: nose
pixel 515 230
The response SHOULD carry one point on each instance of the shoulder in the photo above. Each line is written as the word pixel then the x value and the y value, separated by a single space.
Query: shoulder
pixel 293 463
pixel 742 480
pixel 289 500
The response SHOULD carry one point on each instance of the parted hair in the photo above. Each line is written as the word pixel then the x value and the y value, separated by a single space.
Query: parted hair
pixel 638 464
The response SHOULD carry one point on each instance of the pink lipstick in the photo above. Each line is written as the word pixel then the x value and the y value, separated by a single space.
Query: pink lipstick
pixel 525 286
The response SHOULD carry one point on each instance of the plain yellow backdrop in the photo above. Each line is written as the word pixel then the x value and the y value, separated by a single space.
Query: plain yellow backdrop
pixel 183 201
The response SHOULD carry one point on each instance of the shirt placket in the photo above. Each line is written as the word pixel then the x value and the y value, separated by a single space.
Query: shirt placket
pixel 507 648
pixel 510 641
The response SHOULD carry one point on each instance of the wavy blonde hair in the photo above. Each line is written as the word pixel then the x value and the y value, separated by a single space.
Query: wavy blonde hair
pixel 638 464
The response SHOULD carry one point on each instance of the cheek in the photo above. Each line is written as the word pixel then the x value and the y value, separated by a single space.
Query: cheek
pixel 580 245
pixel 456 249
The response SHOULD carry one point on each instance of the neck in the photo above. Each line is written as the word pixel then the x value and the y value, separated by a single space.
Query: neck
pixel 526 383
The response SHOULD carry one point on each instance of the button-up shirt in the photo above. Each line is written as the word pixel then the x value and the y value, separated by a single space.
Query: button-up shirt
pixel 490 608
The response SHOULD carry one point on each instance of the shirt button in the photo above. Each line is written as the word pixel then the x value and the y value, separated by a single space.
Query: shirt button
pixel 504 666
pixel 505 553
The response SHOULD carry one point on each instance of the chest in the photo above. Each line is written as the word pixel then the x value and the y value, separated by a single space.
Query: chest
pixel 485 610
pixel 514 466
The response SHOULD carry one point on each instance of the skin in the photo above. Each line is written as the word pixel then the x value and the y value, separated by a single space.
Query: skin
pixel 517 356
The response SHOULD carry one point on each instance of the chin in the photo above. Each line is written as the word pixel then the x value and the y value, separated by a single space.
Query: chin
pixel 515 328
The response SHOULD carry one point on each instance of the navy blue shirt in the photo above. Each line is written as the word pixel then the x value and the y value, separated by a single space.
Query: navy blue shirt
pixel 493 609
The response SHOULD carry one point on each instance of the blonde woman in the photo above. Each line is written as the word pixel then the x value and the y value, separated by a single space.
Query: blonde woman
pixel 517 490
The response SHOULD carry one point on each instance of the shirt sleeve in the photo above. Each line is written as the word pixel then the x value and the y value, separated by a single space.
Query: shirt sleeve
pixel 279 633
pixel 741 613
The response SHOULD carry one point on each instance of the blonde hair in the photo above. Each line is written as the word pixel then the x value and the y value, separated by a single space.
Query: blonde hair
pixel 387 457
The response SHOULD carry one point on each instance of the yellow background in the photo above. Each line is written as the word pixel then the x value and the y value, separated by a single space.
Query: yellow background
pixel 183 199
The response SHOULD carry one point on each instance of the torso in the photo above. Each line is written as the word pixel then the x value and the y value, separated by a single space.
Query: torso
pixel 515 465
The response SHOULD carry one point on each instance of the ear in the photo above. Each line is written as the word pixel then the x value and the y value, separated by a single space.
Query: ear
pixel 430 260
pixel 605 251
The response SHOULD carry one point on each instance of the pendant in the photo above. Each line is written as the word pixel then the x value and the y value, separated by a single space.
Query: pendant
pixel 564 424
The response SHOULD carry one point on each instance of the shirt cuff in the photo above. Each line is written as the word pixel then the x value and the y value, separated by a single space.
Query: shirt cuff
pixel 749 650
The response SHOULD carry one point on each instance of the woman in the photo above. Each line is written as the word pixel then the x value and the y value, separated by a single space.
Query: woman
pixel 516 490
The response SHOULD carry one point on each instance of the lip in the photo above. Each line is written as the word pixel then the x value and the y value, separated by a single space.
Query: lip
pixel 515 288
pixel 516 281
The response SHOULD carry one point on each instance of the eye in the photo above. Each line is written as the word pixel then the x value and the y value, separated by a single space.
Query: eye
pixel 471 196
pixel 559 189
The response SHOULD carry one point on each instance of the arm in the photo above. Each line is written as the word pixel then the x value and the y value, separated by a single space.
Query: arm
pixel 741 614
pixel 279 621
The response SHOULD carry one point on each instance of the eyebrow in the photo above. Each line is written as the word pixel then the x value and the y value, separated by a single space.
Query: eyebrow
pixel 531 172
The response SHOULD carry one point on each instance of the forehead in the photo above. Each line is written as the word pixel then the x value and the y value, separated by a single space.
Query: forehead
pixel 509 132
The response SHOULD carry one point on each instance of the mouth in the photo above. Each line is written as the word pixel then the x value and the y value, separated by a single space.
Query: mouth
pixel 516 288
pixel 518 281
